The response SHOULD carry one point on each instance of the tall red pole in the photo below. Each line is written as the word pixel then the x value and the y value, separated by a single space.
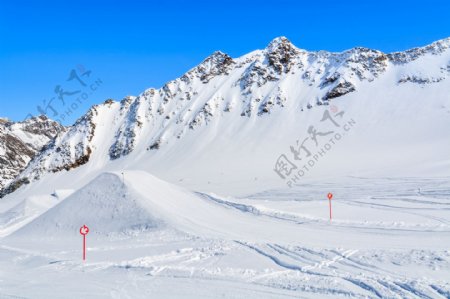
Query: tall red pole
pixel 329 201
pixel 84 230
pixel 330 195
pixel 84 247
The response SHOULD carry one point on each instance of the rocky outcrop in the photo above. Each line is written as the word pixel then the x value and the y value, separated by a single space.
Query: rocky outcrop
pixel 21 141
pixel 215 65
pixel 339 90
pixel 281 54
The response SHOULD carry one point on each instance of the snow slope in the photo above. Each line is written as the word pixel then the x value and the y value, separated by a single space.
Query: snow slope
pixel 143 202
pixel 387 239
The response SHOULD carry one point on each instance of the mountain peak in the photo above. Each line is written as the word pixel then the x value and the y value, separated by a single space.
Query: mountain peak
pixel 217 57
pixel 218 54
pixel 280 42
pixel 281 54
pixel 218 63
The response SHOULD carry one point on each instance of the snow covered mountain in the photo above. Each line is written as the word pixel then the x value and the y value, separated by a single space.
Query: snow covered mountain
pixel 253 108
pixel 21 141
pixel 216 184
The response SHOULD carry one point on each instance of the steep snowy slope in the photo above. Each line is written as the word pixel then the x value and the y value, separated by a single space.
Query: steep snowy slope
pixel 231 121
pixel 19 143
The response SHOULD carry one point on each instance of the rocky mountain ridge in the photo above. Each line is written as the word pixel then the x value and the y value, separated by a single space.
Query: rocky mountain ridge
pixel 256 85
pixel 21 141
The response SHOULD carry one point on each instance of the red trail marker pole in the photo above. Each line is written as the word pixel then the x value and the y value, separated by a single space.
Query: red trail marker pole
pixel 84 230
pixel 330 196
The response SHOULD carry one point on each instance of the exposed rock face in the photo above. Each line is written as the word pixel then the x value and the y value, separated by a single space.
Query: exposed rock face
pixel 339 90
pixel 126 137
pixel 217 64
pixel 420 80
pixel 21 141
pixel 281 54
pixel 66 151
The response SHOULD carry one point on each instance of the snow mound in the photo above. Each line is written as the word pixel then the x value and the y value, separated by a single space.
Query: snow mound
pixel 115 204
pixel 105 205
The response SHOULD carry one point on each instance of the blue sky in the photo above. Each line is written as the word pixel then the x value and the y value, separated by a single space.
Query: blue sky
pixel 134 45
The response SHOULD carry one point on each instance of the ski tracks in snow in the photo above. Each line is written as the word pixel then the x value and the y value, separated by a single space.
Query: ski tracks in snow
pixel 338 272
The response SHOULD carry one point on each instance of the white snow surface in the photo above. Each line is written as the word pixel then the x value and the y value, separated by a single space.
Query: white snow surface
pixel 387 239
pixel 182 201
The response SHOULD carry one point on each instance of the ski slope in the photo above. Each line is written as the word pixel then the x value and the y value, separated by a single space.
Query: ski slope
pixel 152 238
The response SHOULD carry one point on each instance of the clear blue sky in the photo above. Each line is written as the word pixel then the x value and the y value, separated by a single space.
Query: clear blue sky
pixel 134 45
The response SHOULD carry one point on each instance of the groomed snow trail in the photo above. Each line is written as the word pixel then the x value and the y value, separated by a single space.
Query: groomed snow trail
pixel 150 238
